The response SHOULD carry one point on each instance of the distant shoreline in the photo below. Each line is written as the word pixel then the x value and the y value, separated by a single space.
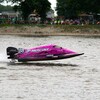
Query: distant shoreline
pixel 43 35
pixel 50 30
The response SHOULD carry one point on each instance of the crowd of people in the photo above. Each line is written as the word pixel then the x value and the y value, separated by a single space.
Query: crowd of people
pixel 55 21
pixel 74 22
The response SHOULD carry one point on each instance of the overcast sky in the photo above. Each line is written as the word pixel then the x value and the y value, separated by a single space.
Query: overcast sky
pixel 53 3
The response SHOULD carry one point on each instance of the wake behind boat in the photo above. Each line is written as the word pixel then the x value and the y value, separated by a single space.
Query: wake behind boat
pixel 46 52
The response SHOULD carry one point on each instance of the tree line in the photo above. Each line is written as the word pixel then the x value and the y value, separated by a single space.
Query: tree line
pixel 66 8
pixel 72 8
pixel 5 8
pixel 26 7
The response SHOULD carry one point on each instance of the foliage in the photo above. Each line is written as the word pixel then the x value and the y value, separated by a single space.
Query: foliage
pixel 28 6
pixel 5 8
pixel 92 6
pixel 71 8
pixel 1 1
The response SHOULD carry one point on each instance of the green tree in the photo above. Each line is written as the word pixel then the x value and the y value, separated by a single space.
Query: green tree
pixel 71 8
pixel 1 1
pixel 5 8
pixel 68 8
pixel 92 6
pixel 28 6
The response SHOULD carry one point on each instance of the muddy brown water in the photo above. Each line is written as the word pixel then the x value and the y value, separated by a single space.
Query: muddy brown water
pixel 69 79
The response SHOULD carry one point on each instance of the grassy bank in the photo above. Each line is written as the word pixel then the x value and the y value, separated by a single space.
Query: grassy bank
pixel 41 29
pixel 79 28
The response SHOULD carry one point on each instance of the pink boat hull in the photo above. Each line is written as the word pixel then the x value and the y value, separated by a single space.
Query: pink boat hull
pixel 47 52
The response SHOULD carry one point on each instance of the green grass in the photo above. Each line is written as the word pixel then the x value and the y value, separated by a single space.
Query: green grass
pixel 78 26
pixel 22 25
pixel 63 28
pixel 72 28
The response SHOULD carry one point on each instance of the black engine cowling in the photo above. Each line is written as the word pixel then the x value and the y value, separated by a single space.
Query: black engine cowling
pixel 11 51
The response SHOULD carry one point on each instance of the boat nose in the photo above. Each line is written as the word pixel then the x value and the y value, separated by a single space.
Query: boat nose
pixel 80 53
pixel 69 51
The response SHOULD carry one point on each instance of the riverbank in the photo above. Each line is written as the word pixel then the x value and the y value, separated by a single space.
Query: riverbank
pixel 50 30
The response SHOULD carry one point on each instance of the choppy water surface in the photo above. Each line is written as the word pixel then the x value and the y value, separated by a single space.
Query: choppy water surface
pixel 70 79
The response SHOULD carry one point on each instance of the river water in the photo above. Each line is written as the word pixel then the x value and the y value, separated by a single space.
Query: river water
pixel 69 79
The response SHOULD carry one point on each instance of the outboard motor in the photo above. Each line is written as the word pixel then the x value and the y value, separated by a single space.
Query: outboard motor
pixel 11 51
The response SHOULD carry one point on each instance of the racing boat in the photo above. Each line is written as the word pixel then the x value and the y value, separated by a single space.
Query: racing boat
pixel 46 52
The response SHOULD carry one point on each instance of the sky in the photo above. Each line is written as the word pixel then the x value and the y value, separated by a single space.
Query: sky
pixel 53 3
